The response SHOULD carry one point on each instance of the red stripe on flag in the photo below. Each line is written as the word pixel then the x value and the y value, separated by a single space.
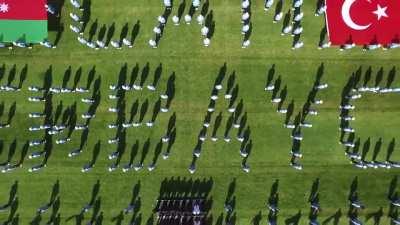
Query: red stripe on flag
pixel 23 10
pixel 363 21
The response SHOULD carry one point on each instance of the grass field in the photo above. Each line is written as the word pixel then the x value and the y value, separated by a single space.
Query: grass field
pixel 196 68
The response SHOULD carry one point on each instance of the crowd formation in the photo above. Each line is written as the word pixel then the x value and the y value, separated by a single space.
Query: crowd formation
pixel 56 122
pixel 80 18
pixel 309 108
pixel 120 92
pixel 291 24
pixel 237 119
pixel 204 18
pixel 186 201
pixel 353 91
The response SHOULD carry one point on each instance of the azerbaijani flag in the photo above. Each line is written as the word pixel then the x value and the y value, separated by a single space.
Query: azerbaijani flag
pixel 23 20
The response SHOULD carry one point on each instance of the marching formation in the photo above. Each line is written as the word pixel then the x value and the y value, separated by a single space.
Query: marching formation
pixel 300 120
pixel 351 93
pixel 120 90
pixel 80 19
pixel 237 119
pixel 59 122
pixel 291 25
pixel 48 118
pixel 294 27
pixel 246 21
pixel 204 19
pixel 188 202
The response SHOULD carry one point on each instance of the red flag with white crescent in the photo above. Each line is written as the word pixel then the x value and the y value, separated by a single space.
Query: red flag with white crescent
pixel 23 10
pixel 363 21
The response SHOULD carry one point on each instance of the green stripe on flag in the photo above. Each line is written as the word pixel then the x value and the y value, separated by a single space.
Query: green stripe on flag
pixel 31 31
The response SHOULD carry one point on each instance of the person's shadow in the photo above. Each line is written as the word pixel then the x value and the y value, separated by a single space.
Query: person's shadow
pixel 231 191
pixel 124 32
pixel 278 8
pixel 376 216
pixel 366 147
pixel 134 74
pixel 12 216
pixel 322 36
pixel 93 30
pixel 294 220
pixel 390 149
pixel 181 9
pixel 334 219
pixel 377 149
pixel 157 152
pixel 143 110
pixel 110 34
pixel 145 74
pixel 217 124
pixel 23 75
pixel 11 112
pixel 145 151
pixel 286 20
pixel 102 32
pixel 134 151
pixel 157 75
pixel 135 31
pixel 156 110
pixel 96 152
pixel 170 90
pixel 136 219
pixel 379 77
pixel 314 190
pixel 11 153
pixel 257 219
pixel 118 219
pixel 391 77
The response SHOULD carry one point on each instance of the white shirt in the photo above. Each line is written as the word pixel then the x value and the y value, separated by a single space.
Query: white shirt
pixel 161 19
pixel 157 30
pixel 200 19
pixel 298 44
pixel 269 3
pixel 175 19
pixel 74 28
pixel 287 29
pixel 167 3
pixel 206 41
pixel 196 3
pixel 245 28
pixel 245 4
pixel 188 18
pixel 152 43
pixel 278 16
pixel 246 43
pixel 245 16
pixel 204 31
pixel 299 16
pixel 298 3
pixel 74 17
pixel 298 30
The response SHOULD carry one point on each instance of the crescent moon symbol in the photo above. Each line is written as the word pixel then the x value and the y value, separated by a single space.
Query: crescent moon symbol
pixel 347 18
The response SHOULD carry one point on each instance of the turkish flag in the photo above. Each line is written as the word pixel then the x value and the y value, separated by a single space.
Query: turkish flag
pixel 23 10
pixel 363 21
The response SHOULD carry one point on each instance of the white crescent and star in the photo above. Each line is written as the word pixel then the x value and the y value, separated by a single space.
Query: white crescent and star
pixel 379 12
pixel 4 7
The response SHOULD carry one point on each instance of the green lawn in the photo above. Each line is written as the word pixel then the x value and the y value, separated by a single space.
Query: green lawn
pixel 196 68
